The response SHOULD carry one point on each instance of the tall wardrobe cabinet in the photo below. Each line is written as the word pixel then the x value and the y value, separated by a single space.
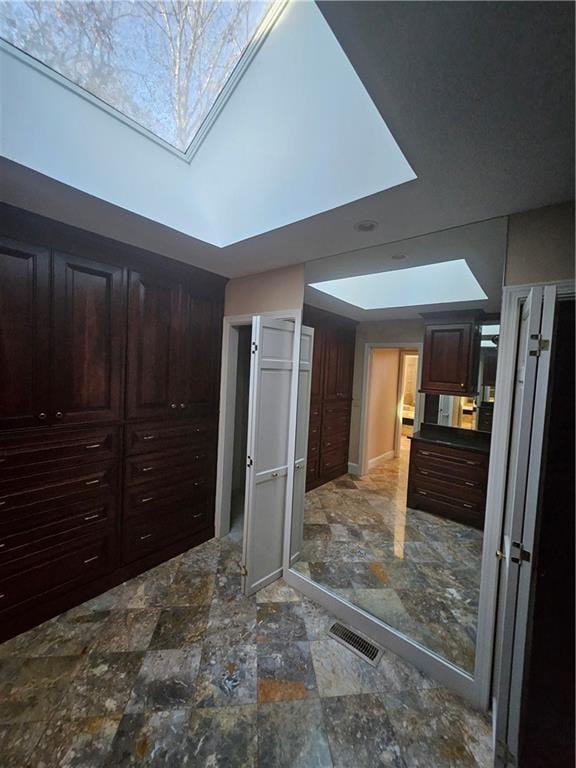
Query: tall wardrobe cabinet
pixel 108 414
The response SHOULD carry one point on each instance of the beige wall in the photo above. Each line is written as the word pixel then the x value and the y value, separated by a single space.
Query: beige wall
pixel 385 332
pixel 277 289
pixel 382 403
pixel 541 245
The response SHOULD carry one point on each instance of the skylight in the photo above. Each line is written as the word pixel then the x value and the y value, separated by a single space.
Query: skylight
pixel 161 63
pixel 447 281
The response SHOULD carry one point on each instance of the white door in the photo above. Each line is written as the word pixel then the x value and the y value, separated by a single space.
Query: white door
pixel 301 453
pixel 526 443
pixel 268 451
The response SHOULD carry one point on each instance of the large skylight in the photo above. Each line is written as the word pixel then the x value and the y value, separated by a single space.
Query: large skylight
pixel 161 63
pixel 447 281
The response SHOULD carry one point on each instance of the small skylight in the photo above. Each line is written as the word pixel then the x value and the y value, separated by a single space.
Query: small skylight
pixel 445 282
pixel 161 63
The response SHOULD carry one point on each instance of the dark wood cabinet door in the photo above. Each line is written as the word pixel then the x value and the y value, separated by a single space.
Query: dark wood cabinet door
pixel 331 363
pixel 317 379
pixel 345 365
pixel 88 340
pixel 24 335
pixel 447 360
pixel 153 346
pixel 200 352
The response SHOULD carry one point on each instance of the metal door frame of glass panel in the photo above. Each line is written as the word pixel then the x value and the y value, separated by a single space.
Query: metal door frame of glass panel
pixel 475 688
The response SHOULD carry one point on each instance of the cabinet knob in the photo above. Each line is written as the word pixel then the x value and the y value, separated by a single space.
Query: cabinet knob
pixel 58 414
pixel 173 405
pixel 42 415
pixel 182 405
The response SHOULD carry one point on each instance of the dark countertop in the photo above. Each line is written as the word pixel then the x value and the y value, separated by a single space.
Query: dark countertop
pixel 467 439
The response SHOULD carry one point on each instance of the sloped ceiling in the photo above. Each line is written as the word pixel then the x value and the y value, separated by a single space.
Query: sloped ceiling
pixel 479 97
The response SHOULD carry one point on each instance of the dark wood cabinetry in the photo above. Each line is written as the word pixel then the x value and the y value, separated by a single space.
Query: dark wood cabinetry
pixel 108 414
pixel 447 480
pixel 331 395
pixel 451 353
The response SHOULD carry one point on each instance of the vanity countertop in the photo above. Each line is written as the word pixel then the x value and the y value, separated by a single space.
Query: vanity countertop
pixel 467 439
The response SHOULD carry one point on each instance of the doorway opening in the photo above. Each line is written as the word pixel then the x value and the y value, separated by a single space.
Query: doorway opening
pixel 239 452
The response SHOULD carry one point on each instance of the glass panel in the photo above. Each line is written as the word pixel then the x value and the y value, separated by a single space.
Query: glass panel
pixel 161 63
pixel 368 539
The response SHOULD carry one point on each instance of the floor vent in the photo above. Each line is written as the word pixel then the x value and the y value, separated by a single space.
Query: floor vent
pixel 356 643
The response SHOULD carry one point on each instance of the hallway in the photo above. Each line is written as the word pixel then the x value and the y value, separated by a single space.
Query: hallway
pixel 177 668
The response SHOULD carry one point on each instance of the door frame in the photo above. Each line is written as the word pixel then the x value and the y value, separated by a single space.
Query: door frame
pixel 225 453
pixel 369 347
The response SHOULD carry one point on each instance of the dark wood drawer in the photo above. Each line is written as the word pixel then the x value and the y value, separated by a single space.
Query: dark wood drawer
pixel 336 460
pixel 158 527
pixel 60 568
pixel 161 467
pixel 44 487
pixel 315 414
pixel 155 436
pixel 461 487
pixel 139 500
pixel 313 433
pixel 337 441
pixel 448 455
pixel 467 512
pixel 51 450
pixel 338 424
pixel 22 534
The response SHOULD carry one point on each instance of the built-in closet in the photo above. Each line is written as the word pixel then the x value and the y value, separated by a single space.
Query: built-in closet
pixel 109 371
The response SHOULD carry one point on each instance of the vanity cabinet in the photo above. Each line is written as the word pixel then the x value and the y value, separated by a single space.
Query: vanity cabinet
pixel 331 395
pixel 109 380
pixel 451 353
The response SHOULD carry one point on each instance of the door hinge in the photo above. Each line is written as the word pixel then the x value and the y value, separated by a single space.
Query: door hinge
pixel 522 555
pixel 243 570
pixel 538 345
pixel 249 461
pixel 254 347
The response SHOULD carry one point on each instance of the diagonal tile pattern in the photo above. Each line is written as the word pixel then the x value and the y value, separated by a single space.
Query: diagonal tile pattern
pixel 156 674
pixel 418 572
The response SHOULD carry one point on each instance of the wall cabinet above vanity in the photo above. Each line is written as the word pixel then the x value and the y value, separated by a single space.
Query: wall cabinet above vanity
pixel 451 353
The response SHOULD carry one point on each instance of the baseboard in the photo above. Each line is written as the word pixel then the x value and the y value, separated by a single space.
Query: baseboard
pixel 354 469
pixel 379 459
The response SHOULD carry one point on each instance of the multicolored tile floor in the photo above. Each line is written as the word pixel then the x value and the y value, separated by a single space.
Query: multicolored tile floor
pixel 418 572
pixel 176 668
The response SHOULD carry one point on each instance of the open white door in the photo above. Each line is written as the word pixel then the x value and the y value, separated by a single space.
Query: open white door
pixel 526 444
pixel 301 453
pixel 268 450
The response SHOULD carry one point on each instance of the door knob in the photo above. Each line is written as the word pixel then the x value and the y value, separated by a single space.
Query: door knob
pixel 58 414
pixel 42 415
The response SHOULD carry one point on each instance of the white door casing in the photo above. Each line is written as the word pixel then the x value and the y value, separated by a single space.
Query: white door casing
pixel 269 431
pixel 301 453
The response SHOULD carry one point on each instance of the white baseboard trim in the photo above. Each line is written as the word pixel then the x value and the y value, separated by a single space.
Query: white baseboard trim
pixel 354 469
pixel 379 459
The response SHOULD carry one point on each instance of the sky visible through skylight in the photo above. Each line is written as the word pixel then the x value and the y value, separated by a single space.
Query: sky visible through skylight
pixel 160 62
pixel 444 282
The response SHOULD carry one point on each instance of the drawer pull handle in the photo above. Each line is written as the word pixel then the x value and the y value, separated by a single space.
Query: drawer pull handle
pixel 146 536
pixel 468 506
pixel 423 472
pixel 2 596
pixel 91 482
pixel 149 437
pixel 200 514
pixel 2 545
pixel 422 493
pixel 198 482
pixel 92 517
pixel 467 482
pixel 91 559
pixel 93 445
pixel 147 469
pixel 147 498
pixel 199 456
pixel 473 463
pixel 2 503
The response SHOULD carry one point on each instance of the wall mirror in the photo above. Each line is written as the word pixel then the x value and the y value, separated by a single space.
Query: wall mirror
pixel 389 495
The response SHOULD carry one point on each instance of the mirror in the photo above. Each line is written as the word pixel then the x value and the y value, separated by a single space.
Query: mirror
pixel 390 484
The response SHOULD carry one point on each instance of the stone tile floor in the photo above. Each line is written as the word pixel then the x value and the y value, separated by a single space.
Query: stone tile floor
pixel 176 668
pixel 416 571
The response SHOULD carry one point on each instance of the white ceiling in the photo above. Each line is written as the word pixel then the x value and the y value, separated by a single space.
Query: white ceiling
pixel 479 97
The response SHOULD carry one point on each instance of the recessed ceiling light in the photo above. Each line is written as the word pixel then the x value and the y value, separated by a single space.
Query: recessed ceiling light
pixel 366 225
pixel 444 282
